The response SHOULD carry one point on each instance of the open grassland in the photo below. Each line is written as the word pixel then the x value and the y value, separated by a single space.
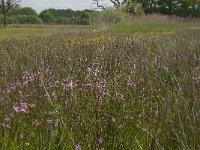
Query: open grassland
pixel 148 28
pixel 20 32
pixel 103 91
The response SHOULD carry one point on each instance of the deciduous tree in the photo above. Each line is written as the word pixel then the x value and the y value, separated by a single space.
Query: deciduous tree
pixel 182 8
pixel 116 3
pixel 5 6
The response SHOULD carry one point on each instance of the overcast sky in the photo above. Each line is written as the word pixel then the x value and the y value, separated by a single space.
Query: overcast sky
pixel 40 5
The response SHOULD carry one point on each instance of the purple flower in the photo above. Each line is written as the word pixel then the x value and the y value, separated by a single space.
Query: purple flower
pixel 67 85
pixel 100 140
pixel 47 71
pixel 120 126
pixel 120 96
pixel 102 96
pixel 93 71
pixel 37 122
pixel 56 83
pixel 77 147
pixel 6 126
pixel 7 119
pixel 18 109
pixel 11 89
pixel 68 104
pixel 132 83
pixel 22 107
pixel 49 121
pixel 54 95
pixel 28 78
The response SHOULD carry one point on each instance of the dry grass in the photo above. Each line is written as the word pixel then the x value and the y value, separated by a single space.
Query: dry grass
pixel 161 19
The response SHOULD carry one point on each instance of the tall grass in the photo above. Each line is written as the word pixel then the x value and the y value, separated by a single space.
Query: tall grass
pixel 20 32
pixel 100 91
pixel 160 19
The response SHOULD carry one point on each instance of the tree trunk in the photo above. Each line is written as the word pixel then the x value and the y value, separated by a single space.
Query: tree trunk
pixel 4 18
pixel 170 7
pixel 4 12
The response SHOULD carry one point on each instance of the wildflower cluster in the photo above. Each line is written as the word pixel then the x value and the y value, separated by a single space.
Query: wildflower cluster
pixel 101 91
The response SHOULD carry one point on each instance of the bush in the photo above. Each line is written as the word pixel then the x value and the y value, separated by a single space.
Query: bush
pixel 10 20
pixel 112 16
pixel 13 20
pixel 134 8
pixel 22 19
pixel 27 19
pixel 47 16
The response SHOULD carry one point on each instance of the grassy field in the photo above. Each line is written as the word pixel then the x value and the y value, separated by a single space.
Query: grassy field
pixel 137 89
pixel 35 31
pixel 146 28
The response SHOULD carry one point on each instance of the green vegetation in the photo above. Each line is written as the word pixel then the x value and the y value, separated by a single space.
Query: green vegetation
pixel 27 15
pixel 15 14
pixel 182 8
pixel 149 27
pixel 20 32
pixel 68 16
pixel 107 80
pixel 100 90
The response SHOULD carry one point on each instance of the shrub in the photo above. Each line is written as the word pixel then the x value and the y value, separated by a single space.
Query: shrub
pixel 134 8
pixel 47 17
pixel 13 20
pixel 112 16
pixel 27 19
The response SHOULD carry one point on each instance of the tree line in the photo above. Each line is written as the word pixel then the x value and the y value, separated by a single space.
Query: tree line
pixel 68 16
pixel 27 15
pixel 181 8
pixel 12 13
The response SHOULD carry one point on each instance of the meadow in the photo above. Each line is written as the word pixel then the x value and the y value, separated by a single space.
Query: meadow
pixel 129 87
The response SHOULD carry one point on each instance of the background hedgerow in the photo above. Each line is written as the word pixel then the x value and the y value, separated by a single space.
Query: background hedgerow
pixel 100 91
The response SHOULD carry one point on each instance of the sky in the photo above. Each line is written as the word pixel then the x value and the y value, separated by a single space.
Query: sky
pixel 40 5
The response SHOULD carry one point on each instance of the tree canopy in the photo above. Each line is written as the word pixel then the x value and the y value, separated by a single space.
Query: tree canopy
pixel 5 6
pixel 11 12
pixel 67 16
pixel 182 8
pixel 27 15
